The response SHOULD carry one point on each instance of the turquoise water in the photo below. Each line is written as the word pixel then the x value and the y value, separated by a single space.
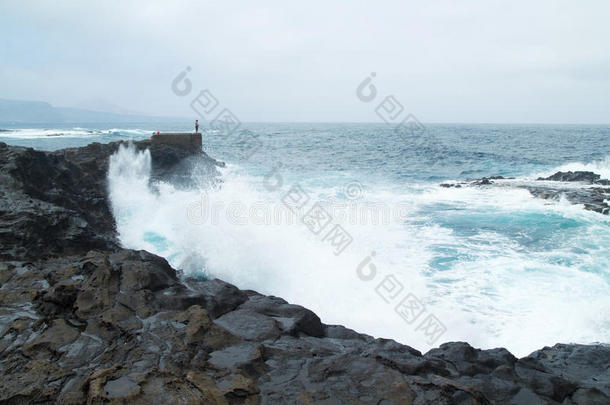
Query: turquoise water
pixel 496 266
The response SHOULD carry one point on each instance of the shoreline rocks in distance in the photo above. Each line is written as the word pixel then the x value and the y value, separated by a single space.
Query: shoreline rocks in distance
pixel 582 176
pixel 83 320
pixel 593 194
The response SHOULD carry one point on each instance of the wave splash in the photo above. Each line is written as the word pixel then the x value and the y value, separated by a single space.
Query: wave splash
pixel 482 282
pixel 601 167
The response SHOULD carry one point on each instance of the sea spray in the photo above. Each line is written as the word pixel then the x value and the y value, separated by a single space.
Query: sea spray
pixel 281 259
pixel 601 167
pixel 128 177
pixel 497 267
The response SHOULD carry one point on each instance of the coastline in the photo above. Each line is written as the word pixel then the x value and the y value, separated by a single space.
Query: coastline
pixel 87 321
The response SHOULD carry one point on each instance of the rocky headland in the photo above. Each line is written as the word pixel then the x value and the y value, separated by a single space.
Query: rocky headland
pixel 83 320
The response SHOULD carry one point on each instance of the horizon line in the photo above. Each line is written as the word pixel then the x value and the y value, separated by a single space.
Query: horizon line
pixel 178 119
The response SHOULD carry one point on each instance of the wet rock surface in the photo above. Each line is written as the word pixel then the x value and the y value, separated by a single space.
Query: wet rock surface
pixel 580 187
pixel 83 320
pixel 587 177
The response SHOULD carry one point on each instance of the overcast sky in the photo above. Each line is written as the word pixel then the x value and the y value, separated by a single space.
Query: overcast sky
pixel 543 61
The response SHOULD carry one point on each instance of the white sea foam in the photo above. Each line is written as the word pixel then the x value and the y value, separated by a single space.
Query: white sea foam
pixel 495 290
pixel 601 167
pixel 76 132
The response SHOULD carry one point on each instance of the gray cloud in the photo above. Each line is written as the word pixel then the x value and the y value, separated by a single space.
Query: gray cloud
pixel 477 61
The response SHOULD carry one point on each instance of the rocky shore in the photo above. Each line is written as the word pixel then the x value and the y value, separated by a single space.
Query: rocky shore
pixel 584 188
pixel 83 320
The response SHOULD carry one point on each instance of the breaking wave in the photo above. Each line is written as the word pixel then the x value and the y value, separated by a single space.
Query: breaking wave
pixel 494 267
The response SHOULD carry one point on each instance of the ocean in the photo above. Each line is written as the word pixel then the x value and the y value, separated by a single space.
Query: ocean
pixel 350 221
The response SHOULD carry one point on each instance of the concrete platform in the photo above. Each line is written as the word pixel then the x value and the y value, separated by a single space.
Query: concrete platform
pixel 186 140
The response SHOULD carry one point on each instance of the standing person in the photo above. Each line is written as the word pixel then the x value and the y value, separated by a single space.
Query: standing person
pixel 196 126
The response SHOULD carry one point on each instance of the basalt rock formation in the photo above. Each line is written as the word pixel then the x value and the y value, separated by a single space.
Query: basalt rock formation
pixel 585 177
pixel 83 320
pixel 585 188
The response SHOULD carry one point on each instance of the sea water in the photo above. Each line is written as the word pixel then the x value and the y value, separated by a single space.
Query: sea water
pixel 424 264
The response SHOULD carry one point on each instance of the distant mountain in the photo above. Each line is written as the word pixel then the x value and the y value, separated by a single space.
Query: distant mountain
pixel 34 112
pixel 100 104
pixel 28 111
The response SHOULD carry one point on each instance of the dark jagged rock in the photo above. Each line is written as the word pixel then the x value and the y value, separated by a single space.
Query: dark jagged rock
pixel 84 321
pixel 482 182
pixel 586 177
pixel 55 203
pixel 591 196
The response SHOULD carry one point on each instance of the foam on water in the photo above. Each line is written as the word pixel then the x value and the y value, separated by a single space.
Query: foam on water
pixel 601 167
pixel 497 267
pixel 76 132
